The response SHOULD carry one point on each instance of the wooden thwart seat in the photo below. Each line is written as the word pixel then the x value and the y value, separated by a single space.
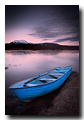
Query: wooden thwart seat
pixel 56 74
pixel 47 79
pixel 31 85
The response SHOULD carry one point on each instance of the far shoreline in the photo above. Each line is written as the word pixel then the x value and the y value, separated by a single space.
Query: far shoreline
pixel 44 46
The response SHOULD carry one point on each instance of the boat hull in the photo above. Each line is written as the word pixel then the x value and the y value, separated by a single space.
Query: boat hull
pixel 28 93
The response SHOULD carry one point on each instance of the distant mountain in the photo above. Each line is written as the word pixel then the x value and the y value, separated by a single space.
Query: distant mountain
pixel 19 42
pixel 45 44
pixel 24 45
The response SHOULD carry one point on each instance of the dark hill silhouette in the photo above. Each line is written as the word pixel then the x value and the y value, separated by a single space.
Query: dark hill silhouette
pixel 39 46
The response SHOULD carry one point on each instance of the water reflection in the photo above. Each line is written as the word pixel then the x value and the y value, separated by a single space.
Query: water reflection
pixel 23 52
pixel 23 64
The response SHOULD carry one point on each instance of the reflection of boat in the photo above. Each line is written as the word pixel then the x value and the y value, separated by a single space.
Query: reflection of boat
pixel 41 84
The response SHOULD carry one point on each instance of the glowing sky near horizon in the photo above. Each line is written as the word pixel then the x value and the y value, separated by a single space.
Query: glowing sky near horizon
pixel 39 24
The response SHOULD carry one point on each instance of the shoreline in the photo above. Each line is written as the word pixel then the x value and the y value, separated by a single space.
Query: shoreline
pixel 44 46
pixel 62 101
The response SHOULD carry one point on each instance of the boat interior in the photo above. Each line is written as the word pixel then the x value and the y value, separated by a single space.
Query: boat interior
pixel 47 78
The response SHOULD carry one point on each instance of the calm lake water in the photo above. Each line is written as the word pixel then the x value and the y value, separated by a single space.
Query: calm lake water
pixel 23 64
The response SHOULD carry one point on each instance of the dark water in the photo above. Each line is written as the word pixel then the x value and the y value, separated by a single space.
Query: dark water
pixel 23 64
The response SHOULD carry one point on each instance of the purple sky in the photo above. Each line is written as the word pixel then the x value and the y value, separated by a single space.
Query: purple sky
pixel 39 24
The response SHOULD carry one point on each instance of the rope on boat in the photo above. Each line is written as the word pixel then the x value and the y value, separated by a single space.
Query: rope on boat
pixel 11 95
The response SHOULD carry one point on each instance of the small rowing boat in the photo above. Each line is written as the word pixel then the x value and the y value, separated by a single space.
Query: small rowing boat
pixel 41 84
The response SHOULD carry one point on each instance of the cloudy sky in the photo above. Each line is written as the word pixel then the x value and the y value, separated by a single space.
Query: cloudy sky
pixel 39 24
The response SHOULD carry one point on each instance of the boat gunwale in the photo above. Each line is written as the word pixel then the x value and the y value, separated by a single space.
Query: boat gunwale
pixel 40 84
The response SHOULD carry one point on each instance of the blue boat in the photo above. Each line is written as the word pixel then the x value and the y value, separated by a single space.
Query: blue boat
pixel 41 84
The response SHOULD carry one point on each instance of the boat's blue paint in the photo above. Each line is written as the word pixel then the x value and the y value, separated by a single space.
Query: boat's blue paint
pixel 27 93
